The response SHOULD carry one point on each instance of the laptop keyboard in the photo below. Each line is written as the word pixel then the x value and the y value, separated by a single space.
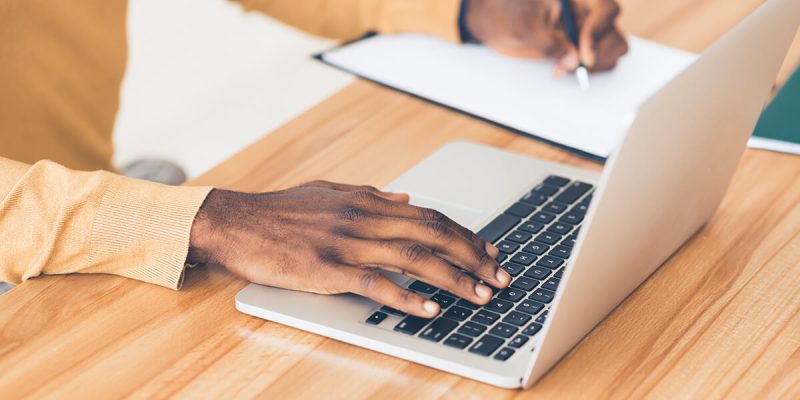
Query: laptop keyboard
pixel 535 236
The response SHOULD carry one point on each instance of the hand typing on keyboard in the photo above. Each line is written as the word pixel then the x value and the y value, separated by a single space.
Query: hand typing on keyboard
pixel 329 238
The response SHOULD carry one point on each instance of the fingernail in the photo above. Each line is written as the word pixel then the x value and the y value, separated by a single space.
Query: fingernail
pixel 492 250
pixel 431 307
pixel 483 291
pixel 503 277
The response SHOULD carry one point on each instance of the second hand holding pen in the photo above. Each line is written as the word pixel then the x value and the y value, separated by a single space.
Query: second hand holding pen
pixel 571 29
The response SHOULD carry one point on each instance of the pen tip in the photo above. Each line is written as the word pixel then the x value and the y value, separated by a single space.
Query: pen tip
pixel 583 77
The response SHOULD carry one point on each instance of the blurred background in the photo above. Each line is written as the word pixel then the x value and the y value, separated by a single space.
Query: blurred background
pixel 205 79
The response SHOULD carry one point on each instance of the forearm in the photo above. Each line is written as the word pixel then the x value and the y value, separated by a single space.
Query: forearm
pixel 57 221
pixel 349 19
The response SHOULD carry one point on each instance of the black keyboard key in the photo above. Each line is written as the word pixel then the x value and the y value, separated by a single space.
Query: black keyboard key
pixel 504 354
pixel 551 284
pixel 376 318
pixel 542 296
pixel 512 294
pixel 586 200
pixel 571 218
pixel 512 268
pixel 556 181
pixel 390 310
pixel 550 262
pixel 507 247
pixel 524 283
pixel 467 304
pixel 555 207
pixel 579 209
pixel 486 345
pixel 546 190
pixel 531 227
pixel 560 228
pixel 485 317
pixel 458 341
pixel 569 242
pixel 471 329
pixel 535 248
pixel 542 318
pixel 573 192
pixel 561 252
pixel 548 238
pixel 534 199
pixel 499 306
pixel 498 227
pixel 530 307
pixel 458 313
pixel 517 318
pixel 422 287
pixel 440 328
pixel 537 272
pixel 519 237
pixel 411 325
pixel 501 257
pixel 520 209
pixel 443 300
pixel 543 217
pixel 559 273
pixel 503 330
pixel 523 258
pixel 518 341
pixel 532 329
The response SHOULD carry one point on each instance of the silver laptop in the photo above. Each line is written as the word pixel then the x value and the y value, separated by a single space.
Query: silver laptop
pixel 576 242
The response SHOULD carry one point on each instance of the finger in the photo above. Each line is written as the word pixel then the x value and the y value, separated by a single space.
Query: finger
pixel 599 21
pixel 379 206
pixel 413 259
pixel 343 187
pixel 372 284
pixel 610 49
pixel 442 241
pixel 568 63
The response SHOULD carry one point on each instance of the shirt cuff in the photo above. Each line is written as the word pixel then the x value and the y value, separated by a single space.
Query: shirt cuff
pixel 142 230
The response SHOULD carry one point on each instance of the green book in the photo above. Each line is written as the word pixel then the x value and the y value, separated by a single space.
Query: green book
pixel 778 128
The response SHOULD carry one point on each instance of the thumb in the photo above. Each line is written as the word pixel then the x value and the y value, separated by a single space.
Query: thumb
pixel 568 62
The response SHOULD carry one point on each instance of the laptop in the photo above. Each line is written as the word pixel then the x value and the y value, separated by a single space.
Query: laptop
pixel 576 242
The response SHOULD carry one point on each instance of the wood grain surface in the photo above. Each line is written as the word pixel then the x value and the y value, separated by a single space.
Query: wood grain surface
pixel 721 319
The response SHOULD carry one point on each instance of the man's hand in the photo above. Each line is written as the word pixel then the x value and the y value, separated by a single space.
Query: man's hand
pixel 330 238
pixel 533 28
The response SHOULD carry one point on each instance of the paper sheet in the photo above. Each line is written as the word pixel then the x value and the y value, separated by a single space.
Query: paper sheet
pixel 517 93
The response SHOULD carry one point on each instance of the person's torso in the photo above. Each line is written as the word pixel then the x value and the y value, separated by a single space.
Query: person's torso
pixel 61 65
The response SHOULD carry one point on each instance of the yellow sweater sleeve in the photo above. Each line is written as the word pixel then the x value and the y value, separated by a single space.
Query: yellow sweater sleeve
pixel 58 221
pixel 349 19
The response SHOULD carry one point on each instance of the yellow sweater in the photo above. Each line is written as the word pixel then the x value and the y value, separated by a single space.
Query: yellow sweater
pixel 61 64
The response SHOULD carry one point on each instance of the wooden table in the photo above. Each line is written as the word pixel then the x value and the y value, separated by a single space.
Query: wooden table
pixel 720 319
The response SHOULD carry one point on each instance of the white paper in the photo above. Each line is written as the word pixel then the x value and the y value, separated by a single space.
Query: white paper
pixel 519 93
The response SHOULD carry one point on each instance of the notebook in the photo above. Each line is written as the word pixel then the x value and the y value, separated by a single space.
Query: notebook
pixel 519 94
pixel 778 128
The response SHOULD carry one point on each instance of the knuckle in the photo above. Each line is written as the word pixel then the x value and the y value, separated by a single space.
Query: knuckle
pixel 365 198
pixel 352 214
pixel 458 277
pixel 368 281
pixel 330 255
pixel 437 229
pixel 405 297
pixel 413 252
pixel 369 188
pixel 433 215
pixel 613 9
pixel 485 260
